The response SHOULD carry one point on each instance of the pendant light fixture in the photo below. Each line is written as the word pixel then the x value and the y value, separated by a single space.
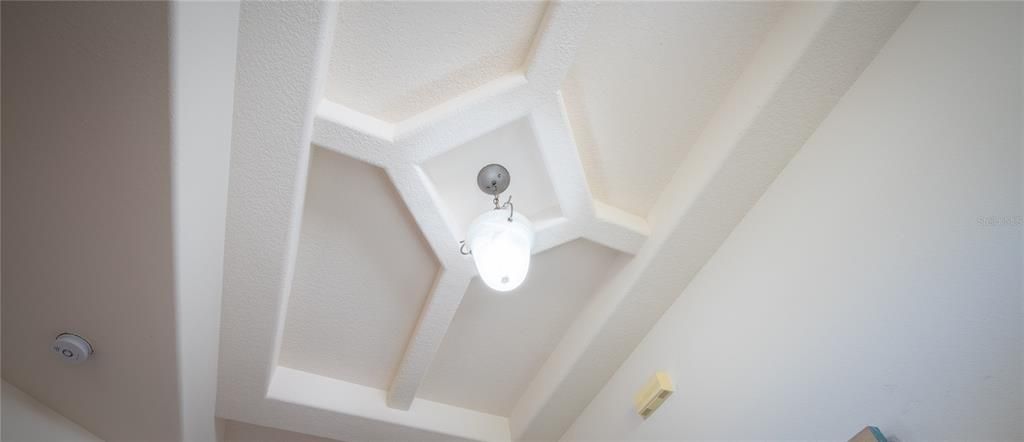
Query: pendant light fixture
pixel 500 241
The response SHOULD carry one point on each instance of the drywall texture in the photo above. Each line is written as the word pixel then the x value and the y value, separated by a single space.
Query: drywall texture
pixel 392 60
pixel 634 87
pixel 508 337
pixel 877 281
pixel 87 243
pixel 25 419
pixel 346 294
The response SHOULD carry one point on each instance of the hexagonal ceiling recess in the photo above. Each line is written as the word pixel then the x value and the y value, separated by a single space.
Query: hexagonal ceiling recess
pixel 348 310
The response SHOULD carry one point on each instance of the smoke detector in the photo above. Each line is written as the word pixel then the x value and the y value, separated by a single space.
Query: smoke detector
pixel 72 348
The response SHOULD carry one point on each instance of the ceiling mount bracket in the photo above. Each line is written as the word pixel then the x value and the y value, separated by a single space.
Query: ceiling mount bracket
pixel 493 179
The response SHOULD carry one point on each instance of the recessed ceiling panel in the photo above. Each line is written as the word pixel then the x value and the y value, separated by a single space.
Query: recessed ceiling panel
pixel 646 80
pixel 513 146
pixel 498 340
pixel 395 59
pixel 362 273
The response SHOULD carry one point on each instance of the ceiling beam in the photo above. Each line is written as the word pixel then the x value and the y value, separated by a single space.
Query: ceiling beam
pixel 615 228
pixel 204 39
pixel 464 118
pixel 808 61
pixel 554 47
pixel 362 412
pixel 590 219
pixel 467 116
pixel 284 48
pixel 445 296
pixel 434 320
pixel 352 133
pixel 561 157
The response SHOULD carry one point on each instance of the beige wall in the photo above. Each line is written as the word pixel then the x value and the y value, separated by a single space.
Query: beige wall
pixel 868 286
pixel 87 212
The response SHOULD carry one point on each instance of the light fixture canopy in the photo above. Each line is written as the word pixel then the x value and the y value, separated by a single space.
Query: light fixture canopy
pixel 501 242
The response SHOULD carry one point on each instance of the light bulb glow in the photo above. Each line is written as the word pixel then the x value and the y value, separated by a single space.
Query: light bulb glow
pixel 501 248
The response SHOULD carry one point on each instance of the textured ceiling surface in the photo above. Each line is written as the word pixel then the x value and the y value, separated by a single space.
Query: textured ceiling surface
pixel 646 80
pixel 362 273
pixel 497 340
pixel 636 134
pixel 394 59
pixel 513 146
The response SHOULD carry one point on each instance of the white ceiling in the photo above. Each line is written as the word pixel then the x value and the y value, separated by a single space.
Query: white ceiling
pixel 637 135
pixel 514 146
pixel 645 81
pixel 392 60
pixel 636 99
pixel 497 341
pixel 362 273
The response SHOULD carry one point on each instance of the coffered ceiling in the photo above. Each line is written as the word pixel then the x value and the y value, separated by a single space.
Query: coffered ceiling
pixel 636 134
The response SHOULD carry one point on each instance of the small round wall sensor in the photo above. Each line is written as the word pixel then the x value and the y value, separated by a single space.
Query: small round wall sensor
pixel 72 348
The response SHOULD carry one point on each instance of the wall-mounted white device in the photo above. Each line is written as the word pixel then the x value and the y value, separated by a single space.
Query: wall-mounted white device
pixel 654 393
pixel 72 348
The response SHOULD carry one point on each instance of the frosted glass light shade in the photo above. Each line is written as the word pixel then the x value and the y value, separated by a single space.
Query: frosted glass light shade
pixel 501 248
